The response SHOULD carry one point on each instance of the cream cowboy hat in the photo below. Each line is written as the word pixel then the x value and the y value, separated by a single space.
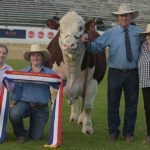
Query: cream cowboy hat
pixel 125 9
pixel 36 48
pixel 146 31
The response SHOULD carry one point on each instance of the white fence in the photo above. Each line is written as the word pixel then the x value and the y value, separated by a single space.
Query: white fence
pixel 26 35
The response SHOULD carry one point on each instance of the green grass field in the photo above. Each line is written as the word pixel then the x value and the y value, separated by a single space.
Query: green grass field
pixel 72 138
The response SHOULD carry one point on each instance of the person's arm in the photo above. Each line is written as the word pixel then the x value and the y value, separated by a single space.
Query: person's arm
pixel 16 94
pixel 98 45
pixel 54 85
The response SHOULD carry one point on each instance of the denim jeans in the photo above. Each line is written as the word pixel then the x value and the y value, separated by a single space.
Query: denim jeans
pixel 119 81
pixel 38 120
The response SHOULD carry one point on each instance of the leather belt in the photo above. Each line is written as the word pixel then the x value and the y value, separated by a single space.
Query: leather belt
pixel 38 105
pixel 123 70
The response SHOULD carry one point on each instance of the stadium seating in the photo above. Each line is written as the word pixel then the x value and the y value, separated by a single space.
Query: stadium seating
pixel 36 12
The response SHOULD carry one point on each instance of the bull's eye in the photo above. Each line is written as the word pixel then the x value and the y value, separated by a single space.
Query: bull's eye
pixel 80 28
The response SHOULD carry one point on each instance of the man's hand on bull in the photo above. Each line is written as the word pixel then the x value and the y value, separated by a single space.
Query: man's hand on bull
pixel 64 82
pixel 84 38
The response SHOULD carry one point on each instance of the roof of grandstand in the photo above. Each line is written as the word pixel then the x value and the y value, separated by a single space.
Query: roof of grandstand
pixel 36 12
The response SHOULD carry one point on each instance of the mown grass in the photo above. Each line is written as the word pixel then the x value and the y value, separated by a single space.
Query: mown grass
pixel 73 139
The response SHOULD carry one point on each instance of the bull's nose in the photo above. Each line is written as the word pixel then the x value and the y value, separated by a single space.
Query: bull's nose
pixel 69 46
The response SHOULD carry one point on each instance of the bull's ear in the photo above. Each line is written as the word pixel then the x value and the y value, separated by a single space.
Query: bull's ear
pixel 90 25
pixel 52 24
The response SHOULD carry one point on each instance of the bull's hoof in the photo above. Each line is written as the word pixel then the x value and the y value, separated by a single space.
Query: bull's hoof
pixel 73 118
pixel 80 123
pixel 87 130
pixel 80 120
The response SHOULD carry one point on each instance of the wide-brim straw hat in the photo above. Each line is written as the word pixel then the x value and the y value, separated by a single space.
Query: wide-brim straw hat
pixel 36 48
pixel 146 31
pixel 125 9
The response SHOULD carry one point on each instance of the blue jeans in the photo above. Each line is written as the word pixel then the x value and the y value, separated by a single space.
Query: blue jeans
pixel 38 120
pixel 119 81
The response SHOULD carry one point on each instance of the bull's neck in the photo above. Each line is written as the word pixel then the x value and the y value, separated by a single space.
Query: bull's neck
pixel 73 63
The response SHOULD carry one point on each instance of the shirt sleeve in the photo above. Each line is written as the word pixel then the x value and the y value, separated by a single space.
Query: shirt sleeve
pixel 54 85
pixel 98 45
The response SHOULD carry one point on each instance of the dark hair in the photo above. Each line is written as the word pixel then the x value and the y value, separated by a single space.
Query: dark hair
pixel 5 47
pixel 133 23
pixel 36 53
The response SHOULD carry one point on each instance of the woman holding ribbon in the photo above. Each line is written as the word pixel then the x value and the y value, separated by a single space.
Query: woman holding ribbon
pixel 31 99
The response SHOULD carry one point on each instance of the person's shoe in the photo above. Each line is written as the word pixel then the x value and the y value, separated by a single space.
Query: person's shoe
pixel 147 140
pixel 112 138
pixel 21 139
pixel 129 139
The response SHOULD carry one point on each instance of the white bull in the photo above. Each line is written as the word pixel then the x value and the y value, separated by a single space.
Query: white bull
pixel 71 64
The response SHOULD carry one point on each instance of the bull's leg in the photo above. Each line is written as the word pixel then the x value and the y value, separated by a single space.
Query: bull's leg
pixel 85 117
pixel 74 112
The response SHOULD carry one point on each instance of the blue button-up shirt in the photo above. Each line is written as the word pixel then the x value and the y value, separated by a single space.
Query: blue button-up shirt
pixel 30 92
pixel 114 39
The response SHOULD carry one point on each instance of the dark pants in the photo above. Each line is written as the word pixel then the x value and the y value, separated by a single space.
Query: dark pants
pixel 128 82
pixel 146 97
pixel 38 120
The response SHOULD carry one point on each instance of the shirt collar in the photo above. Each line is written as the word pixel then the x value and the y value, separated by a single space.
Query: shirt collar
pixel 30 68
pixel 130 28
pixel 122 29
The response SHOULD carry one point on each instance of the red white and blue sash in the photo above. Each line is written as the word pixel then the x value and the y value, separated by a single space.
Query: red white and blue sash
pixel 56 121
pixel 37 78
pixel 4 107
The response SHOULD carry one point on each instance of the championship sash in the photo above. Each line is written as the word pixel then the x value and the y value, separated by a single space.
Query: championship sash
pixel 37 78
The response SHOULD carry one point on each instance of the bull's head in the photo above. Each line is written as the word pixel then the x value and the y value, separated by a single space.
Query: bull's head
pixel 72 26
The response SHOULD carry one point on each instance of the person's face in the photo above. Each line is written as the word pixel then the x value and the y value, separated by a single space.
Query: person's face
pixel 36 59
pixel 3 55
pixel 92 26
pixel 124 20
pixel 148 38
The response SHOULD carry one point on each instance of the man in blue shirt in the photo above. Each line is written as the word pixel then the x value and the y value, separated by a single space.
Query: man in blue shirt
pixel 123 44
pixel 30 99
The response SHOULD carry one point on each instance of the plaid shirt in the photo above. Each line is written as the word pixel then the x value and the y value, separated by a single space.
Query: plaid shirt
pixel 144 66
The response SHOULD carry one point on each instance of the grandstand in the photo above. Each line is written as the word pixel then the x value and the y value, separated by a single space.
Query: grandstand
pixel 36 12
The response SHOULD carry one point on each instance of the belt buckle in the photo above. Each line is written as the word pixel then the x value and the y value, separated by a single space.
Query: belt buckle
pixel 35 105
pixel 38 105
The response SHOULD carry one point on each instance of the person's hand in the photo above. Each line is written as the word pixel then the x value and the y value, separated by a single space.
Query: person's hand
pixel 84 38
pixel 12 104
